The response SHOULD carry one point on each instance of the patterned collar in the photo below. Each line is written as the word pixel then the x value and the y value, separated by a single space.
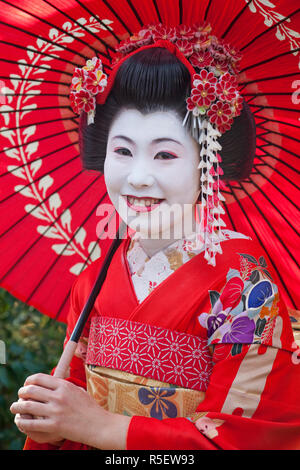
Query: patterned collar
pixel 187 244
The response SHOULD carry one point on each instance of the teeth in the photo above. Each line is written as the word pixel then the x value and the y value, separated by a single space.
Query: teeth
pixel 142 202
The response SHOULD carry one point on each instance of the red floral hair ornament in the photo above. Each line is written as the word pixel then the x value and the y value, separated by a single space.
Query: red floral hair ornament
pixel 213 104
pixel 86 84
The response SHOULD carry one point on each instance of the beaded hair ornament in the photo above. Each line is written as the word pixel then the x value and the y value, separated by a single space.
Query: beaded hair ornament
pixel 213 104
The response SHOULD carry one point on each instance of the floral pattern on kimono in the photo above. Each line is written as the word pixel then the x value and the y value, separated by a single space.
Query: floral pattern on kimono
pixel 246 309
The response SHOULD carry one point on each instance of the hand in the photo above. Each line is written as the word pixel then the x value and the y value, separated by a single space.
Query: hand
pixel 66 411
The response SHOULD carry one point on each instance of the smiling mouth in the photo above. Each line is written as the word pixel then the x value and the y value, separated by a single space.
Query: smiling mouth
pixel 142 204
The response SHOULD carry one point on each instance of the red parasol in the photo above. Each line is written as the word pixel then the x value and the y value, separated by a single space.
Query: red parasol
pixel 50 229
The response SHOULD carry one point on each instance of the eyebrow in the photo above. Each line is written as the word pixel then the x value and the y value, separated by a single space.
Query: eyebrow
pixel 155 141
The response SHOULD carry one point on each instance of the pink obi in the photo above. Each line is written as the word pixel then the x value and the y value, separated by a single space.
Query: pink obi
pixel 149 351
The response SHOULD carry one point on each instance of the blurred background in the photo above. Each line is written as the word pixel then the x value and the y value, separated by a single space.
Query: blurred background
pixel 33 343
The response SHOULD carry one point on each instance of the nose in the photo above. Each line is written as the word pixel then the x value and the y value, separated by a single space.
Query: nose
pixel 140 176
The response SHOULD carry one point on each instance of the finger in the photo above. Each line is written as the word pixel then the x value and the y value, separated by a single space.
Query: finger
pixel 28 407
pixel 25 416
pixel 13 407
pixel 18 416
pixel 35 392
pixel 43 380
pixel 34 425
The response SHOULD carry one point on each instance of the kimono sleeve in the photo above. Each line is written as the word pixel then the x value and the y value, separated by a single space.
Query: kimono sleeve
pixel 252 400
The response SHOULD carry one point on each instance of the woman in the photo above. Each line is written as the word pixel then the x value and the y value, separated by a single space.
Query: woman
pixel 189 344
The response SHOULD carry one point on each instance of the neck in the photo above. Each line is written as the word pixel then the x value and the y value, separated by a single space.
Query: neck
pixel 151 246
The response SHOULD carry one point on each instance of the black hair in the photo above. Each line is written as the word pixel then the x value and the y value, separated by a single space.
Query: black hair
pixel 156 80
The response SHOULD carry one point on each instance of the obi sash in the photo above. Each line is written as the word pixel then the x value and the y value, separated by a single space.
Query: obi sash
pixel 139 369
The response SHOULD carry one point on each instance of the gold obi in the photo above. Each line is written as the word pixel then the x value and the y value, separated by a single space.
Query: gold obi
pixel 128 394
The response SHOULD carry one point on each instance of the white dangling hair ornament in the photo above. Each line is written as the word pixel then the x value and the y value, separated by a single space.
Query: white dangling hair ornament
pixel 90 117
pixel 209 232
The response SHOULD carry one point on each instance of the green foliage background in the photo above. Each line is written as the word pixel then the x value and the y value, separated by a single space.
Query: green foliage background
pixel 33 343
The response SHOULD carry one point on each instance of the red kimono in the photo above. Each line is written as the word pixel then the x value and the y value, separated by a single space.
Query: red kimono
pixel 231 315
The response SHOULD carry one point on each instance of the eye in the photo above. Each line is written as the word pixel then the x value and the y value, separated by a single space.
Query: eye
pixel 165 156
pixel 123 151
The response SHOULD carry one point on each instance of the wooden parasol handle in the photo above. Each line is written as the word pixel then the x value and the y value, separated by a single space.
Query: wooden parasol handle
pixel 62 368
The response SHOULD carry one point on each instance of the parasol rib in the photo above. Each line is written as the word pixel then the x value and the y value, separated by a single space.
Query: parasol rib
pixel 71 144
pixel 50 172
pixel 235 19
pixel 41 235
pixel 273 205
pixel 84 7
pixel 229 215
pixel 38 205
pixel 39 80
pixel 34 109
pixel 36 51
pixel 34 94
pixel 207 10
pixel 135 13
pixel 38 67
pixel 117 16
pixel 47 40
pixel 43 278
pixel 256 171
pixel 269 131
pixel 33 123
pixel 180 11
pixel 274 167
pixel 275 25
pixel 50 136
pixel 264 248
pixel 249 82
pixel 282 148
pixel 267 93
pixel 107 46
pixel 263 62
pixel 261 108
pixel 271 227
pixel 277 121
pixel 42 20
pixel 157 10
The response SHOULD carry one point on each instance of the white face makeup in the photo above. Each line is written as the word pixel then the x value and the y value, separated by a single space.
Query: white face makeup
pixel 151 172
